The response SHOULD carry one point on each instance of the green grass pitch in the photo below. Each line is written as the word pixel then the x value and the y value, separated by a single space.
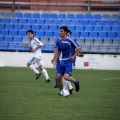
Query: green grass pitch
pixel 24 98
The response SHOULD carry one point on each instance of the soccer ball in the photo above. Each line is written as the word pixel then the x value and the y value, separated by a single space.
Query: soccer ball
pixel 64 92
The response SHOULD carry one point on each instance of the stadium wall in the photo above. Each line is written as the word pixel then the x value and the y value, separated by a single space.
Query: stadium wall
pixel 89 61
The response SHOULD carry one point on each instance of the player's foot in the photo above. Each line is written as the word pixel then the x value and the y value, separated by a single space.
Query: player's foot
pixel 77 86
pixel 48 80
pixel 55 86
pixel 70 91
pixel 38 75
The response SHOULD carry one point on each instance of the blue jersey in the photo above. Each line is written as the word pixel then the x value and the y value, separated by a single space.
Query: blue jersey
pixel 67 48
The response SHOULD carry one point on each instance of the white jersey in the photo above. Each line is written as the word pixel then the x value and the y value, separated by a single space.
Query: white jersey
pixel 34 43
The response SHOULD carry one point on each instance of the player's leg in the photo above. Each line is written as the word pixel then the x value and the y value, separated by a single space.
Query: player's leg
pixel 44 71
pixel 59 77
pixel 30 64
pixel 65 85
pixel 67 76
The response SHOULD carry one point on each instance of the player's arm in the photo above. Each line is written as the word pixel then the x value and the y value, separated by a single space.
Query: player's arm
pixel 29 47
pixel 36 48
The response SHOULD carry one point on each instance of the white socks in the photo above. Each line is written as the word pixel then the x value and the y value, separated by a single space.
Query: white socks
pixel 44 72
pixel 32 67
pixel 67 84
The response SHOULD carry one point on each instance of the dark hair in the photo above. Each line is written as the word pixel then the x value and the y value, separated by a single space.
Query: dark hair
pixel 70 32
pixel 31 31
pixel 65 28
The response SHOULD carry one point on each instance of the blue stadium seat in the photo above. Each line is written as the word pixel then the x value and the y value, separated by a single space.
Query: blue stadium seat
pixel 105 17
pixel 57 22
pixel 45 15
pixel 35 27
pixel 18 15
pixel 110 22
pixel 39 33
pixel 22 33
pixel 44 27
pixel 101 22
pixel 93 35
pixel 48 22
pixel 9 26
pixel 49 48
pixel 97 28
pixel 115 16
pixel 89 28
pixel 31 21
pixel 115 28
pixel 4 32
pixel 53 16
pixel 70 16
pixel 1 39
pixel 118 22
pixel 18 27
pixel 2 26
pixel 75 22
pixel 53 28
pixel 27 15
pixel 56 34
pixel 106 28
pixel 21 48
pixel 76 34
pixel 111 35
pixel 15 21
pixel 12 33
pixel 72 28
pixel 36 15
pixel 8 39
pixel 102 35
pixel 84 22
pixel 118 35
pixel 66 22
pixel 22 21
pixel 80 28
pixel 61 16
pixel 5 20
pixel 79 16
pixel 12 47
pixel 97 17
pixel 39 21
pixel 17 39
pixel 26 27
pixel 4 47
pixel 48 34
pixel 84 35
pixel 92 22
pixel 88 16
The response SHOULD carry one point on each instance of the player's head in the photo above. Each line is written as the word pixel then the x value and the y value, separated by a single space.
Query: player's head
pixel 69 33
pixel 30 34
pixel 63 31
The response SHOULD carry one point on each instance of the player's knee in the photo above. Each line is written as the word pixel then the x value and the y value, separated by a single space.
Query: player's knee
pixel 66 78
pixel 28 64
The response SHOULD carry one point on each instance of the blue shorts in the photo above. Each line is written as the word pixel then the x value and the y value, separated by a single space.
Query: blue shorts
pixel 64 67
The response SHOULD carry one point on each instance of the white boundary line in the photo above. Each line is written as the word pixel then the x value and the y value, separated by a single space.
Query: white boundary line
pixel 111 78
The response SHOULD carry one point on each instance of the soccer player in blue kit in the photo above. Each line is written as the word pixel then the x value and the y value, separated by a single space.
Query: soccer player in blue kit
pixel 64 68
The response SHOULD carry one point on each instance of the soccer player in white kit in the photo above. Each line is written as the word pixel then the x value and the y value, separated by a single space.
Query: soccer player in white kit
pixel 37 57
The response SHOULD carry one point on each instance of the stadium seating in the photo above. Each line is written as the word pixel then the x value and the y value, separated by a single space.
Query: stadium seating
pixel 96 33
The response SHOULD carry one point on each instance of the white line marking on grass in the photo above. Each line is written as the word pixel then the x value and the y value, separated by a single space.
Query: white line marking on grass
pixel 111 78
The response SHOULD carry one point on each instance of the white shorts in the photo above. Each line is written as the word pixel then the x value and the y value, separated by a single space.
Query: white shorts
pixel 35 60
